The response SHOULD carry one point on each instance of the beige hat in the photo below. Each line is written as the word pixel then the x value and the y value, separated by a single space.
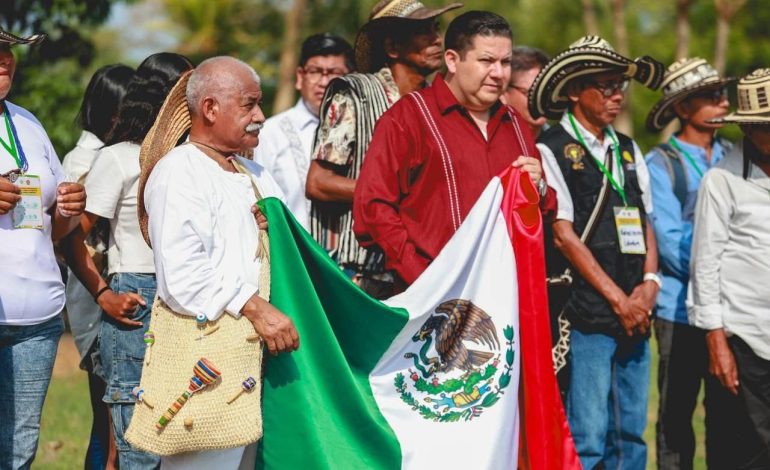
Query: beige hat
pixel 370 56
pixel 683 78
pixel 753 100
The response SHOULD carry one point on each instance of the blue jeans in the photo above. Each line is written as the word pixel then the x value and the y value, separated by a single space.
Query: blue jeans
pixel 27 354
pixel 607 400
pixel 122 354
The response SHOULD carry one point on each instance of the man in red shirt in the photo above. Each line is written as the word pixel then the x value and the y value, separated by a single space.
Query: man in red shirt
pixel 434 152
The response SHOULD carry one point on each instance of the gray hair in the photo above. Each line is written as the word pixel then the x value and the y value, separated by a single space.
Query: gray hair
pixel 215 77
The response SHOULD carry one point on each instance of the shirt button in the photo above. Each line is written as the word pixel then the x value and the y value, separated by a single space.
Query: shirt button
pixel 116 396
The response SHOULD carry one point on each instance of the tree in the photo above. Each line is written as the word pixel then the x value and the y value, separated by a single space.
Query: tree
pixel 682 28
pixel 624 122
pixel 726 10
pixel 589 18
pixel 284 96
pixel 50 78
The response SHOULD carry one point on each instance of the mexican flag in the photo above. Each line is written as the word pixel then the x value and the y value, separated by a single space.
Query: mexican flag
pixel 455 372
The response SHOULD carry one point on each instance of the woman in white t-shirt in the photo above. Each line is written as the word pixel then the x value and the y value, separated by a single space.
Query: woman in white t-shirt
pixel 31 288
pixel 96 117
pixel 127 300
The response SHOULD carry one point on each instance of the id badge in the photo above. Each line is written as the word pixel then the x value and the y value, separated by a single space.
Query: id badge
pixel 28 212
pixel 630 232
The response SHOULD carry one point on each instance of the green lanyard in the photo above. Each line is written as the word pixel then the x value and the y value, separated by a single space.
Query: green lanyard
pixel 617 186
pixel 10 147
pixel 674 144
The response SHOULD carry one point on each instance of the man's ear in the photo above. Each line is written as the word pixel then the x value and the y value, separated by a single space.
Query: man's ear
pixel 682 110
pixel 573 90
pixel 209 109
pixel 299 79
pixel 391 49
pixel 451 58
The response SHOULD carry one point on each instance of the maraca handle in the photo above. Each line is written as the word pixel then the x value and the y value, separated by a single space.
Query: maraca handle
pixel 172 410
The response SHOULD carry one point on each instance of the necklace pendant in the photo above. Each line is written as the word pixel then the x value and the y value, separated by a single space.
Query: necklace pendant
pixel 12 175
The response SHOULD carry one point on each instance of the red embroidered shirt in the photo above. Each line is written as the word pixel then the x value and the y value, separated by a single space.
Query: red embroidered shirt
pixel 410 196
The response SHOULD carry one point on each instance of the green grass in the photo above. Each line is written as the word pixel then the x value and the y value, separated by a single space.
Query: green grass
pixel 67 422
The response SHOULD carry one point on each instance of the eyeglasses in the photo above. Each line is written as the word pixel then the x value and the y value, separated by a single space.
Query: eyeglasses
pixel 715 96
pixel 315 73
pixel 608 89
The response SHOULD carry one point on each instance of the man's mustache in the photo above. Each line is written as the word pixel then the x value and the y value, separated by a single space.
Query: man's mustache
pixel 254 127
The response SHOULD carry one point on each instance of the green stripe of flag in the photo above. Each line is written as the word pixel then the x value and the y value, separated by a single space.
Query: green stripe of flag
pixel 318 407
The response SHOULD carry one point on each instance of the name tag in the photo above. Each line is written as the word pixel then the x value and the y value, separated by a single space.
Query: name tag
pixel 28 212
pixel 630 232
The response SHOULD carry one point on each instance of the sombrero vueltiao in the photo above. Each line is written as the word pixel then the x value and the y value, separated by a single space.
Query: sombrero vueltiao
pixel 8 38
pixel 753 100
pixel 370 56
pixel 683 78
pixel 171 124
pixel 587 56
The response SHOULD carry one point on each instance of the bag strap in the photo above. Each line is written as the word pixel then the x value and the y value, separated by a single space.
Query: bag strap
pixel 676 171
pixel 263 248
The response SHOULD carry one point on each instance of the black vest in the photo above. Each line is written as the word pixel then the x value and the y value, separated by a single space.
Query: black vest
pixel 587 310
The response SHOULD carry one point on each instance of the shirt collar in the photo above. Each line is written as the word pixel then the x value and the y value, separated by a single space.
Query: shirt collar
pixel 698 152
pixel 302 115
pixel 89 141
pixel 588 137
pixel 447 102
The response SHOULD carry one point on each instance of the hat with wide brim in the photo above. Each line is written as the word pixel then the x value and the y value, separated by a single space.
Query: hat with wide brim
pixel 589 55
pixel 387 14
pixel 753 100
pixel 172 123
pixel 8 38
pixel 684 78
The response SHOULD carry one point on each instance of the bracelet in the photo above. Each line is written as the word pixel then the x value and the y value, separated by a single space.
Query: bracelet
pixel 654 278
pixel 101 291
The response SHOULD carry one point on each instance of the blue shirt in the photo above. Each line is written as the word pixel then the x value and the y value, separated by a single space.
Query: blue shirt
pixel 673 223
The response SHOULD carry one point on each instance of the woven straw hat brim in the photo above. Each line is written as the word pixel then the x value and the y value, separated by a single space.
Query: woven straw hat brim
pixel 663 111
pixel 8 38
pixel 171 124
pixel 548 94
pixel 370 36
pixel 742 118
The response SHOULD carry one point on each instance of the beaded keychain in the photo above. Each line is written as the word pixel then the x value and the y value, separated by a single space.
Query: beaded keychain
pixel 149 340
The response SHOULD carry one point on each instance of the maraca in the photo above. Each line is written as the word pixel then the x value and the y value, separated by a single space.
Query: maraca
pixel 204 374
pixel 247 385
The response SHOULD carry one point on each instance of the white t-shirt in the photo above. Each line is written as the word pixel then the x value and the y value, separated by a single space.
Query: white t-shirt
pixel 31 288
pixel 111 186
pixel 79 160
pixel 203 233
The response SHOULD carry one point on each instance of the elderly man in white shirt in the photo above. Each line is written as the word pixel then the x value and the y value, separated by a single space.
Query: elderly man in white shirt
pixel 730 269
pixel 287 138
pixel 201 224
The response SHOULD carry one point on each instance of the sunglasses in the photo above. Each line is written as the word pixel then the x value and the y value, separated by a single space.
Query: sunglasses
pixel 715 96
pixel 608 89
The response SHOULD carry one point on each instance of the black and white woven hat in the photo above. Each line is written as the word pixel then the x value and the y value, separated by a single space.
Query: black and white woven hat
pixel 386 14
pixel 683 78
pixel 588 55
pixel 8 38
pixel 753 100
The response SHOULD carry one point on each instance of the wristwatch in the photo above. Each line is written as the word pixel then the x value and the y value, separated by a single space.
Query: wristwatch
pixel 654 278
pixel 542 187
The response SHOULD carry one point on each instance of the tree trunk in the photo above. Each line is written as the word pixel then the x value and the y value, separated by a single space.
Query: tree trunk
pixel 726 10
pixel 589 18
pixel 720 48
pixel 624 122
pixel 284 96
pixel 682 29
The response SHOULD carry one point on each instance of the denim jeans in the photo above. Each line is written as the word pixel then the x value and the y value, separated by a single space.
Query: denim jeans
pixel 122 354
pixel 27 354
pixel 607 400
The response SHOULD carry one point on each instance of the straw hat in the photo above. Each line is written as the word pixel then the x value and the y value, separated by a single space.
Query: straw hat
pixel 753 100
pixel 8 38
pixel 683 78
pixel 370 56
pixel 171 124
pixel 589 55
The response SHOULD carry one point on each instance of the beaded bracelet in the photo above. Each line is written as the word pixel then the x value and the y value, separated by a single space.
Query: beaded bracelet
pixel 101 291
